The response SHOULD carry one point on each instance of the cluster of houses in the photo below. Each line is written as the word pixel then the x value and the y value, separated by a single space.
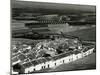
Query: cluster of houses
pixel 52 62
pixel 27 58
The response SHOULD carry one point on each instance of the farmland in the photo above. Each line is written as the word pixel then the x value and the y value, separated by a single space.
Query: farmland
pixel 85 34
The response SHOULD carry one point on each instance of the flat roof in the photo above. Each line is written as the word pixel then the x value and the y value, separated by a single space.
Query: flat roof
pixel 26 65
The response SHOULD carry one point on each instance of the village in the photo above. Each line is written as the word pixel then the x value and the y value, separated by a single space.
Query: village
pixel 48 54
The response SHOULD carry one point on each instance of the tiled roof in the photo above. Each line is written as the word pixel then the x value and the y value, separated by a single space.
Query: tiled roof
pixel 31 56
pixel 35 62
pixel 62 55
pixel 22 57
pixel 15 59
pixel 87 48
pixel 26 65
pixel 76 52
pixel 48 59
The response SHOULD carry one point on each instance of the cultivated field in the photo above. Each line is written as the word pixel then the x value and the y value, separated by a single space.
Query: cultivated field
pixel 85 34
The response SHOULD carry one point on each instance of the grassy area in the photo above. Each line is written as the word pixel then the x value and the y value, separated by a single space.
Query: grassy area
pixel 25 41
pixel 85 34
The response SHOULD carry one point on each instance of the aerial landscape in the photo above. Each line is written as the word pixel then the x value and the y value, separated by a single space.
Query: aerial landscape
pixel 52 37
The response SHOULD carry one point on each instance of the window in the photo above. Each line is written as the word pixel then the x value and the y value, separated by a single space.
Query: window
pixel 55 64
pixel 42 67
pixel 48 65
pixel 34 69
pixel 63 61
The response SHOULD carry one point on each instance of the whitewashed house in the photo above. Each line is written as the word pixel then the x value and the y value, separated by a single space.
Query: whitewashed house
pixel 91 50
pixel 55 61
pixel 74 57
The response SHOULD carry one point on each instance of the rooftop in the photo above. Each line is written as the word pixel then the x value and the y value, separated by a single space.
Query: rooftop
pixel 62 55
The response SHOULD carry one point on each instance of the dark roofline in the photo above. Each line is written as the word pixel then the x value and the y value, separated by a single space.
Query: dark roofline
pixel 62 55
pixel 76 52
pixel 26 65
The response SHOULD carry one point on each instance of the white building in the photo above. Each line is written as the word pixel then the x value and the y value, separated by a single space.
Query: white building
pixel 55 61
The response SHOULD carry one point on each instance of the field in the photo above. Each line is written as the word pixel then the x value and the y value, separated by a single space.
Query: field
pixel 85 34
